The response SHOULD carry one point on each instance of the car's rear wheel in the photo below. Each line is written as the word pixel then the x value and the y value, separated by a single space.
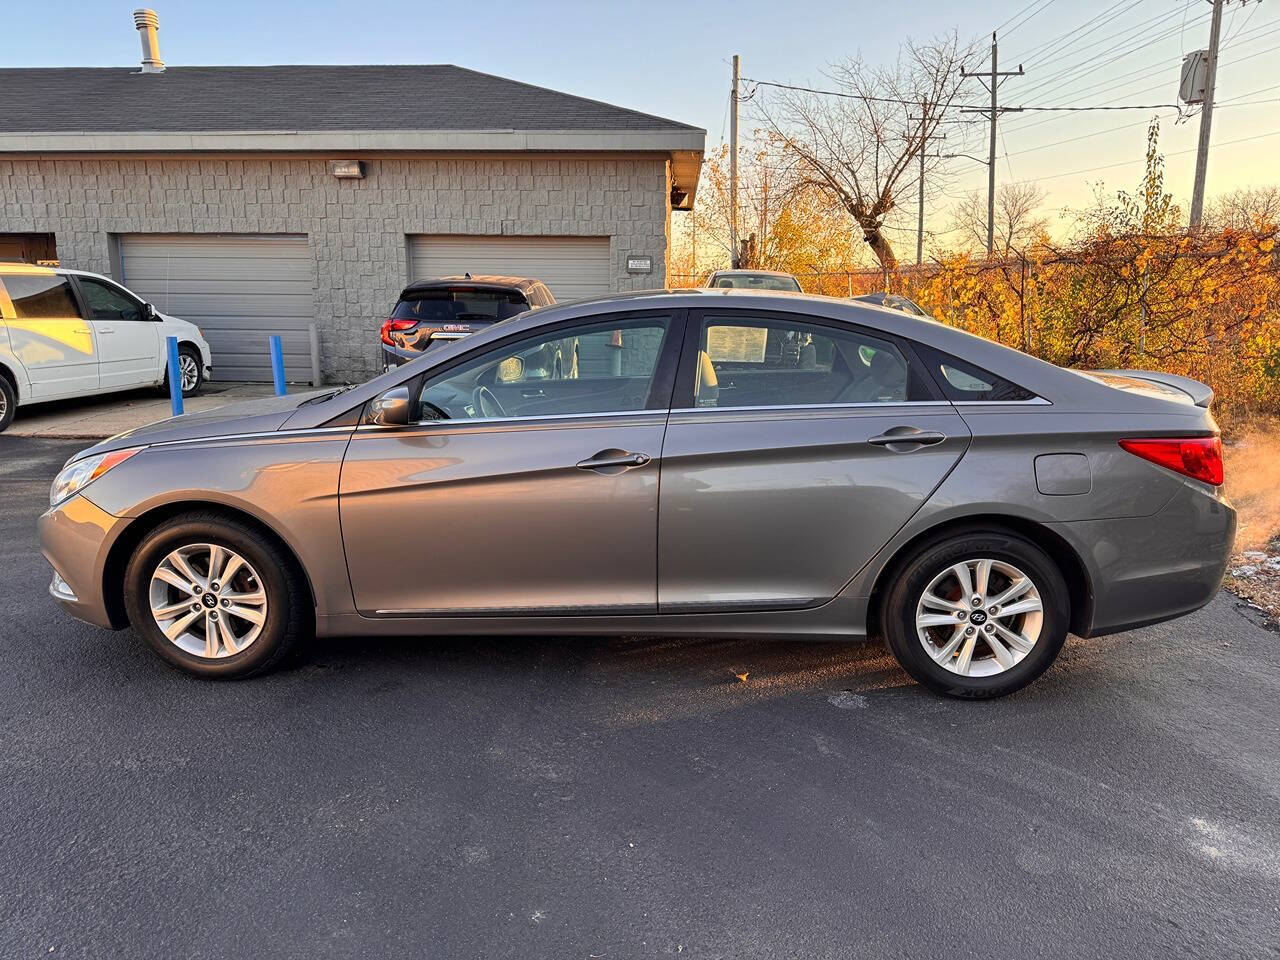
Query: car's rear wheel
pixel 980 614
pixel 214 597
pixel 8 402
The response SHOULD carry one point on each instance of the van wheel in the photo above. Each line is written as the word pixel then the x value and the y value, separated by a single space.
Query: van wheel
pixel 977 615
pixel 215 598
pixel 8 402
pixel 191 367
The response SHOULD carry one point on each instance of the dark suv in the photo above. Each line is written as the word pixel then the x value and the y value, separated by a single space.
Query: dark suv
pixel 430 312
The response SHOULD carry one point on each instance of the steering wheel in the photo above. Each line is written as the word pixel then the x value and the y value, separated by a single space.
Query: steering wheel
pixel 485 403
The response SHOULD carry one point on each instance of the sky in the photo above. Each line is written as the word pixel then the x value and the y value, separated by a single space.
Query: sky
pixel 673 60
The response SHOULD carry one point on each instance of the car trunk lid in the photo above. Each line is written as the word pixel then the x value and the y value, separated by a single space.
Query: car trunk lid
pixel 1160 386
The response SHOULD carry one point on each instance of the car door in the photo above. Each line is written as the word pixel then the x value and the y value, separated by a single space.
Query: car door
pixel 47 333
pixel 507 496
pixel 795 449
pixel 128 343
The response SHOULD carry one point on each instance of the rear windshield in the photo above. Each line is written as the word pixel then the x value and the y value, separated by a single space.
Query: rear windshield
pixel 748 281
pixel 461 306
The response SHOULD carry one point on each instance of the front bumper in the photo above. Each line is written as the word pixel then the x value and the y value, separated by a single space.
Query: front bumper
pixel 76 538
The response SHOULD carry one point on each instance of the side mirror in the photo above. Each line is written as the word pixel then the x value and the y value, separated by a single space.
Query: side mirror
pixel 391 409
pixel 149 312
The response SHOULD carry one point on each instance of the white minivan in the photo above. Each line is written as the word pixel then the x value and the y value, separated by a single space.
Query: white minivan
pixel 68 333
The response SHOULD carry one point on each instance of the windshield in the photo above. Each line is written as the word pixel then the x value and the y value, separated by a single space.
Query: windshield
pixel 758 281
pixel 460 306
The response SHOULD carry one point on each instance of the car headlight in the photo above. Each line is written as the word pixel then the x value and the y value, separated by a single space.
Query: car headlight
pixel 76 476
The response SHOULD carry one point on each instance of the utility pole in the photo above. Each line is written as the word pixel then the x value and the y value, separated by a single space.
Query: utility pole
pixel 733 166
pixel 992 82
pixel 925 137
pixel 1206 116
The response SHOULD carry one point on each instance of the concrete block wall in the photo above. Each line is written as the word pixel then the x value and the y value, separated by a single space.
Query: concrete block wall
pixel 358 229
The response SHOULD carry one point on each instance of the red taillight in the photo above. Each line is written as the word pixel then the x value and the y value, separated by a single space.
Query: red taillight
pixel 1199 458
pixel 393 324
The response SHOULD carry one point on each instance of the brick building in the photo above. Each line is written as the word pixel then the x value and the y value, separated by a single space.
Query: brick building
pixel 257 200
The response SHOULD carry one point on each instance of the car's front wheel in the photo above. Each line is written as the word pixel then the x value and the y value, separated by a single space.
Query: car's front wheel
pixel 214 597
pixel 979 614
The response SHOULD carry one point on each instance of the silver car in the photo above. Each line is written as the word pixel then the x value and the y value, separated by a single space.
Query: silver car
pixel 724 463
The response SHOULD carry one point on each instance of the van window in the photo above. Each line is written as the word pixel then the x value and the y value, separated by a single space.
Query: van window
pixel 36 297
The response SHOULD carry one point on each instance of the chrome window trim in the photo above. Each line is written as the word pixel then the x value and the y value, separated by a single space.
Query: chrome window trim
pixel 468 421
pixel 1033 402
pixel 913 404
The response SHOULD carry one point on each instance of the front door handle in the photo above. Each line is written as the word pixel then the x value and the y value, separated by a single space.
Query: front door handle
pixel 907 438
pixel 606 459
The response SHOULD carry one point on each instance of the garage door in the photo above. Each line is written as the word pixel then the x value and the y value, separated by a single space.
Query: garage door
pixel 238 289
pixel 571 267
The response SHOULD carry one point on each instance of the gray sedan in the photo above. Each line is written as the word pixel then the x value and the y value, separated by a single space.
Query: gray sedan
pixel 724 463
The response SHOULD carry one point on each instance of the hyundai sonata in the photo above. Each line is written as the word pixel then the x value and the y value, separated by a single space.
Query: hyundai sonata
pixel 722 462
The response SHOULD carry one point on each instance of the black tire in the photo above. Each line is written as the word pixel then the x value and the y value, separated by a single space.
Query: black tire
pixel 8 402
pixel 918 571
pixel 289 612
pixel 192 354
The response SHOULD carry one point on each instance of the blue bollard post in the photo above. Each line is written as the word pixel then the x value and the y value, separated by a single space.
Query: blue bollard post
pixel 277 364
pixel 175 378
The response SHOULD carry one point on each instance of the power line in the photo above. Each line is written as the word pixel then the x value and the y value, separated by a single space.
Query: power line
pixel 1071 36
pixel 1110 82
pixel 1041 5
pixel 1125 163
pixel 826 93
pixel 1027 125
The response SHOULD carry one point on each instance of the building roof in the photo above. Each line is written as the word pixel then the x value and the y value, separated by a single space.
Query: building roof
pixel 312 98
pixel 335 110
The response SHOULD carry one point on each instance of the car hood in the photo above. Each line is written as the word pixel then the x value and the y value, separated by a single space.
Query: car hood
pixel 247 416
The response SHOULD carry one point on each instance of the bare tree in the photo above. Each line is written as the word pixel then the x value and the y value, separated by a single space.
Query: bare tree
pixel 1018 223
pixel 862 142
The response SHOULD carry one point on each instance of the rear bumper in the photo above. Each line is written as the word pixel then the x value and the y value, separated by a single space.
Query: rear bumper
pixel 76 538
pixel 1148 569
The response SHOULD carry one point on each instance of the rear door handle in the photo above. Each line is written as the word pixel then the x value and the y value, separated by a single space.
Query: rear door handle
pixel 106 329
pixel 599 462
pixel 901 437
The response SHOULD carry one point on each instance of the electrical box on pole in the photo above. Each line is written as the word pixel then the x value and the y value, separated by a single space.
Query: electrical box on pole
pixel 1195 77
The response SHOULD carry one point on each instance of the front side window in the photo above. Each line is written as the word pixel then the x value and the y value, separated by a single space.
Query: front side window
pixel 606 367
pixel 109 303
pixel 39 297
pixel 776 363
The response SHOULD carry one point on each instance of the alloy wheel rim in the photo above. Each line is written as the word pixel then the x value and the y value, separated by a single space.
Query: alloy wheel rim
pixel 189 371
pixel 208 600
pixel 979 617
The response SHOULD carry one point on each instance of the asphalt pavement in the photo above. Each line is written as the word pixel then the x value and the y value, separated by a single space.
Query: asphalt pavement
pixel 562 798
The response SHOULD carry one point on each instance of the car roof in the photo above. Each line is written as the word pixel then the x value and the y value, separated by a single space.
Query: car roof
pixel 752 273
pixel 483 281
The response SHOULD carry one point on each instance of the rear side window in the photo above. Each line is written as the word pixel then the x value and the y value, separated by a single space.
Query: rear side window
pixel 461 306
pixel 960 380
pixel 771 362
pixel 37 297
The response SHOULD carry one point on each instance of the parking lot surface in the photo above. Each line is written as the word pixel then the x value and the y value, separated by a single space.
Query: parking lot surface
pixel 626 797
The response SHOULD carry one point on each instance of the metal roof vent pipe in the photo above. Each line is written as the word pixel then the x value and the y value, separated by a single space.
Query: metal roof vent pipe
pixel 148 23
